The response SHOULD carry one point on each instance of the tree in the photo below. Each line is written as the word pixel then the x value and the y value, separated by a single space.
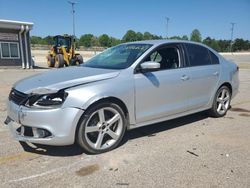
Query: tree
pixel 114 41
pixel 89 40
pixel 175 38
pixel 224 45
pixel 195 36
pixel 139 36
pixel 48 40
pixel 104 40
pixel 184 37
pixel 133 36
pixel 147 36
pixel 156 37
pixel 36 40
pixel 94 41
pixel 241 44
pixel 130 36
pixel 85 40
pixel 39 40
pixel 212 43
pixel 207 41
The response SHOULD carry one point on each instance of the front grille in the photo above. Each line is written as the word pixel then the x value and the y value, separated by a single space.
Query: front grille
pixel 17 97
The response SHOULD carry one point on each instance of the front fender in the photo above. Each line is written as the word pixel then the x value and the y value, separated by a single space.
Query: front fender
pixel 84 96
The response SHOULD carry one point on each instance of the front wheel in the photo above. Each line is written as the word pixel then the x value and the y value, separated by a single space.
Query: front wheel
pixel 59 61
pixel 221 102
pixel 101 128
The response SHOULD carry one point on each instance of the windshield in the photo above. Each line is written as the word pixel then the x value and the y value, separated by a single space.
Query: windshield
pixel 61 41
pixel 118 57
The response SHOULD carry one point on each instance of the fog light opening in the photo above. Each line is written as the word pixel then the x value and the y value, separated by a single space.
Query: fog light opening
pixel 40 133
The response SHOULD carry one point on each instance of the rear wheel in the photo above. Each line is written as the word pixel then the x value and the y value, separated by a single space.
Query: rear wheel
pixel 79 60
pixel 101 128
pixel 59 61
pixel 221 102
pixel 50 61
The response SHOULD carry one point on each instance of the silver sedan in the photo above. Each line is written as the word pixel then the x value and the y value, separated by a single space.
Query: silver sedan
pixel 125 87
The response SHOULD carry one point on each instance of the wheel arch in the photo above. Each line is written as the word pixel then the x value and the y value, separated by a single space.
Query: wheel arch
pixel 212 110
pixel 115 100
pixel 228 85
pixel 110 99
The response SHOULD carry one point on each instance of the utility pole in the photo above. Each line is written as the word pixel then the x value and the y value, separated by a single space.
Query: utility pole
pixel 167 18
pixel 232 32
pixel 73 13
pixel 74 34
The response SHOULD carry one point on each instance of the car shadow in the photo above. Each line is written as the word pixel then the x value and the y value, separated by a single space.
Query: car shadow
pixel 59 151
pixel 150 130
pixel 153 129
pixel 38 67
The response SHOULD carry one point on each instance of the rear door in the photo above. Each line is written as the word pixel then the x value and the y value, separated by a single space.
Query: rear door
pixel 204 75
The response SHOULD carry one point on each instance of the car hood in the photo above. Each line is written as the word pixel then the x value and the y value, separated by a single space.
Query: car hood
pixel 55 80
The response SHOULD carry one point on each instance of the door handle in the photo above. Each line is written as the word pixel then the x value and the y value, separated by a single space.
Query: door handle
pixel 184 77
pixel 216 73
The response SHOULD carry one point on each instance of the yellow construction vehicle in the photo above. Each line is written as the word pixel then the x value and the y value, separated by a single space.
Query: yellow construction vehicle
pixel 63 52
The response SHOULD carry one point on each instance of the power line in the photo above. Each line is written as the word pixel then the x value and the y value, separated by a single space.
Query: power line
pixel 167 18
pixel 232 32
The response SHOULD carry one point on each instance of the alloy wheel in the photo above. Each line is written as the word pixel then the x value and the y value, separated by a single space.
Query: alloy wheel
pixel 103 128
pixel 223 101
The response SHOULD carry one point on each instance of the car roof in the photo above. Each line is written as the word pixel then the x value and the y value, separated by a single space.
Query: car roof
pixel 163 41
pixel 169 41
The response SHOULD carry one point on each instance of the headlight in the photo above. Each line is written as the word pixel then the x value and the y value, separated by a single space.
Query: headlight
pixel 47 100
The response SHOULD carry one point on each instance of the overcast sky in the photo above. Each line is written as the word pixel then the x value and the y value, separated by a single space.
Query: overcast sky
pixel 115 17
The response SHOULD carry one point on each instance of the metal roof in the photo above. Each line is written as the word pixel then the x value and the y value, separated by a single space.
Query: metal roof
pixel 12 24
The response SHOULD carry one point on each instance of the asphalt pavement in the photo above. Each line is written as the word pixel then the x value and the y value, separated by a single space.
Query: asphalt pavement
pixel 192 151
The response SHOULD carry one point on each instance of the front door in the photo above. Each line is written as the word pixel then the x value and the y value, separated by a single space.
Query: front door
pixel 164 92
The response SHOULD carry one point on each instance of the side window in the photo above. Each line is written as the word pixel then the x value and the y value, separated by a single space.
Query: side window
pixel 168 57
pixel 198 55
pixel 155 57
pixel 214 58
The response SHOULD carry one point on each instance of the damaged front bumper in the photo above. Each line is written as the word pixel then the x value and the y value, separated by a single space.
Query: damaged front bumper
pixel 43 126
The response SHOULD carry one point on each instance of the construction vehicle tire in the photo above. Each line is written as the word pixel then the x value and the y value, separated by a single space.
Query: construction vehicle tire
pixel 59 61
pixel 79 60
pixel 50 61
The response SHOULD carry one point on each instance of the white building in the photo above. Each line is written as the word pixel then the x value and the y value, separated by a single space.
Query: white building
pixel 15 43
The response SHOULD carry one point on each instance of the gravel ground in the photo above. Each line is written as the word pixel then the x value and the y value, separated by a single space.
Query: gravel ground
pixel 192 151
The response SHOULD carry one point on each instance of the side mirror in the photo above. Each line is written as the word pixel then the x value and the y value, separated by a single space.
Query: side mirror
pixel 150 66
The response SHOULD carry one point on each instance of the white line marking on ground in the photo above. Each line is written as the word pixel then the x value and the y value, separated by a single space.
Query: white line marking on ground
pixel 48 172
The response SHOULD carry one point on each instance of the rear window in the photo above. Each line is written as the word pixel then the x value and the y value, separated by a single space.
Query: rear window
pixel 214 58
pixel 198 55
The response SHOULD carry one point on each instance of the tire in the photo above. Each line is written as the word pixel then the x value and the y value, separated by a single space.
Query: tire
pixel 59 61
pixel 104 134
pixel 221 102
pixel 50 61
pixel 79 60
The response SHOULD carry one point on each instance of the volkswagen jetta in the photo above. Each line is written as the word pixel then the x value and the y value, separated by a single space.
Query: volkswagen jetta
pixel 125 87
